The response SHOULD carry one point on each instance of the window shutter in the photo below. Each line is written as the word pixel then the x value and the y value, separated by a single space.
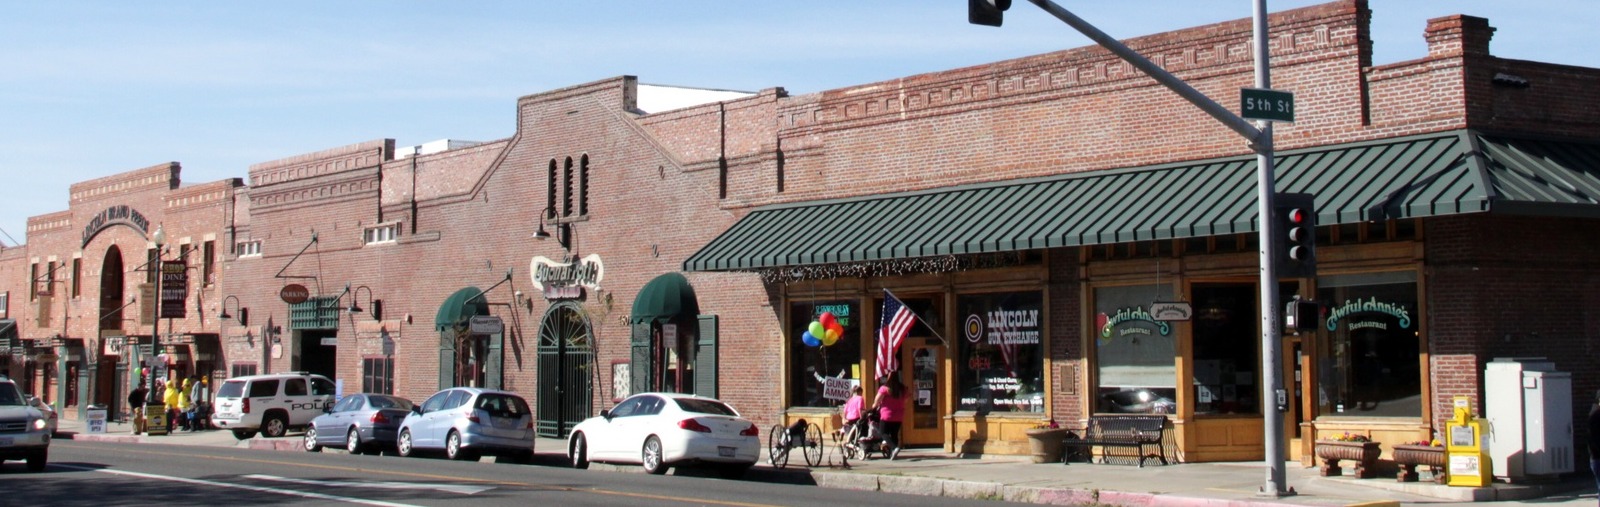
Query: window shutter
pixel 447 358
pixel 705 358
pixel 493 378
pixel 641 369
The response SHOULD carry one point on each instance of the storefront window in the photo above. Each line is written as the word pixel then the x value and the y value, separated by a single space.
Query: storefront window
pixel 1135 354
pixel 809 365
pixel 1002 352
pixel 1371 361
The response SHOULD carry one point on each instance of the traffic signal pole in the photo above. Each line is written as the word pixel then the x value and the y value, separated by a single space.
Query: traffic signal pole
pixel 1274 398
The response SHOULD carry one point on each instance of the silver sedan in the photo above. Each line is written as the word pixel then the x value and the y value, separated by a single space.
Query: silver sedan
pixel 359 423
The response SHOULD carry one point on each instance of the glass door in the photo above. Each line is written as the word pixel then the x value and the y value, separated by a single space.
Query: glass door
pixel 925 399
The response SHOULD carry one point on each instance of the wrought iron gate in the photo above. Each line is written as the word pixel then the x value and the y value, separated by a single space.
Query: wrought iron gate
pixel 566 370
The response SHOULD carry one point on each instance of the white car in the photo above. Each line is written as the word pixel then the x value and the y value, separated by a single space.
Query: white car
pixel 662 430
pixel 24 433
pixel 469 422
pixel 271 403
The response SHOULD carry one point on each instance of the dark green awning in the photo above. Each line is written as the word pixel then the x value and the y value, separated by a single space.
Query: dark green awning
pixel 1418 176
pixel 665 297
pixel 456 309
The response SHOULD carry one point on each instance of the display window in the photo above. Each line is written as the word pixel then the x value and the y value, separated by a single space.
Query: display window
pixel 811 363
pixel 1227 341
pixel 1370 360
pixel 1135 354
pixel 1002 352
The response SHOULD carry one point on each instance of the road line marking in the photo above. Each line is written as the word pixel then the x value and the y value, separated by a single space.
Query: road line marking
pixel 465 479
pixel 448 488
pixel 288 492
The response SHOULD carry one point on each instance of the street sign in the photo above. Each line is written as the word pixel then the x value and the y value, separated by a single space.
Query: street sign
pixel 1264 104
pixel 294 294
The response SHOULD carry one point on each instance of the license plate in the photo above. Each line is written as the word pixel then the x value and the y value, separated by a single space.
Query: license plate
pixel 5 441
pixel 725 451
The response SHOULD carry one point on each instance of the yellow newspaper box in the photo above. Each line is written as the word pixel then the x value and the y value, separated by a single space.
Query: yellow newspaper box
pixel 1467 456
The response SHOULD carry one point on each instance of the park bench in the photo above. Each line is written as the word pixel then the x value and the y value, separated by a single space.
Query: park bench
pixel 1125 431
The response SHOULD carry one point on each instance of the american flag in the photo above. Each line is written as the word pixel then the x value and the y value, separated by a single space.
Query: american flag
pixel 894 324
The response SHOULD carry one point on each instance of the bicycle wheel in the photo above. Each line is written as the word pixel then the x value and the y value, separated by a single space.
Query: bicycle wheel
pixel 813 445
pixel 778 446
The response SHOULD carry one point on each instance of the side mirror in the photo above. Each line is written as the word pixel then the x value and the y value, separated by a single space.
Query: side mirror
pixel 416 409
pixel 606 414
pixel 327 409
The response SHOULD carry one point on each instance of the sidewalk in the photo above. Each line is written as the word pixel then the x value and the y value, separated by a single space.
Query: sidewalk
pixel 1012 478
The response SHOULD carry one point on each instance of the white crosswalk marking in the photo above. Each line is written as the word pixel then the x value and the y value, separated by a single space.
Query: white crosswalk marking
pixel 449 488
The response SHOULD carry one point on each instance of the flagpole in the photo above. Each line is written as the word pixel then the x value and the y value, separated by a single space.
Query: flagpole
pixel 920 319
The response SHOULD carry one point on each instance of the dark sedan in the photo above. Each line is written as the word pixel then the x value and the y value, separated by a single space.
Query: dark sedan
pixel 359 423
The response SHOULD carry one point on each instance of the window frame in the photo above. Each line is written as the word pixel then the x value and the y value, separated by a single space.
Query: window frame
pixel 381 234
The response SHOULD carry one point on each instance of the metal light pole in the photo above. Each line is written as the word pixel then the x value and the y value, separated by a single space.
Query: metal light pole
pixel 153 402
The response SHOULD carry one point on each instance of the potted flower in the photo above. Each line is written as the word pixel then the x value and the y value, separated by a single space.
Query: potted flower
pixel 1045 441
pixel 1410 454
pixel 1348 446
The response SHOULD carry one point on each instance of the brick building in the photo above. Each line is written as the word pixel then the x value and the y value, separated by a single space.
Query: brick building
pixel 1029 211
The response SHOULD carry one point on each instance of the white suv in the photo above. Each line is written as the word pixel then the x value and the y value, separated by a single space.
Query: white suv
pixel 271 403
pixel 24 433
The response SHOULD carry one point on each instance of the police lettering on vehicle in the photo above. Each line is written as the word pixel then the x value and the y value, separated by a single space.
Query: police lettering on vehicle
pixel 313 405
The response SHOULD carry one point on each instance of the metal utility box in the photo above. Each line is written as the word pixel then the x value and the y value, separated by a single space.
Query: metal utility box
pixel 1529 407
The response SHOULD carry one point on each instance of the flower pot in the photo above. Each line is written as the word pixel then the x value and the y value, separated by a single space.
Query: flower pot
pixel 1365 454
pixel 1409 456
pixel 1046 444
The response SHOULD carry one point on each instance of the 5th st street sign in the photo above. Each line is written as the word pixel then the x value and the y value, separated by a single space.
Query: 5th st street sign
pixel 1264 104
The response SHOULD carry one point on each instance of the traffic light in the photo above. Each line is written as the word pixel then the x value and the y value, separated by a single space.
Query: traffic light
pixel 1294 218
pixel 986 12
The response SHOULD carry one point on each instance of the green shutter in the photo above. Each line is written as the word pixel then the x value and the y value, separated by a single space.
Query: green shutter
pixel 705 357
pixel 447 358
pixel 641 367
pixel 315 313
pixel 492 369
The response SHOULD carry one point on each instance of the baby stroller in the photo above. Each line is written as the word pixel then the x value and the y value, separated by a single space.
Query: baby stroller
pixel 863 438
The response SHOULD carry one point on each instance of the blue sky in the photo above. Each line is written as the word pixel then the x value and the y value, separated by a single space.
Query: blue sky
pixel 91 89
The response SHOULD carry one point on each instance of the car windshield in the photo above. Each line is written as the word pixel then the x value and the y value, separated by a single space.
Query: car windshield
pixel 231 389
pixel 389 402
pixel 9 395
pixel 699 406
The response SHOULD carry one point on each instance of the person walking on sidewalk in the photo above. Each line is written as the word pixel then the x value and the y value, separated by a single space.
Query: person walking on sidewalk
pixel 199 404
pixel 171 396
pixel 184 403
pixel 890 403
pixel 136 404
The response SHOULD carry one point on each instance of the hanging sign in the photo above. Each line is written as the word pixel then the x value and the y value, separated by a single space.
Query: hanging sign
pixel 1171 311
pixel 294 294
pixel 485 324
pixel 174 289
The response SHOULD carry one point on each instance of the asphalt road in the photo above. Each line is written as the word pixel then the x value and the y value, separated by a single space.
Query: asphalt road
pixel 101 474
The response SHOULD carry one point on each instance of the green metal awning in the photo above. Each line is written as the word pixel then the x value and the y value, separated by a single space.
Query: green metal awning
pixel 1408 177
pixel 457 309
pixel 664 297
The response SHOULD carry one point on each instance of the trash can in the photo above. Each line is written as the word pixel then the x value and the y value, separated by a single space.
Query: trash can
pixel 96 419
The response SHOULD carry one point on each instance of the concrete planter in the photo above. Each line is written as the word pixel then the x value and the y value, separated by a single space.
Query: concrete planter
pixel 1409 456
pixel 1045 444
pixel 1365 454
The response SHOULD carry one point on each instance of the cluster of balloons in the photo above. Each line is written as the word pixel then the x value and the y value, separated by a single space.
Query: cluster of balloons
pixel 823 332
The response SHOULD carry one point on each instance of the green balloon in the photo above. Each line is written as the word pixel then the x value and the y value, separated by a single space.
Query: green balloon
pixel 817 330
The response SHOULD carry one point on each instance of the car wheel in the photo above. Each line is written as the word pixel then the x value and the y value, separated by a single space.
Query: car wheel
pixel 352 441
pixel 274 426
pixel 578 454
pixel 452 446
pixel 243 434
pixel 311 440
pixel 37 461
pixel 651 456
pixel 732 471
pixel 403 445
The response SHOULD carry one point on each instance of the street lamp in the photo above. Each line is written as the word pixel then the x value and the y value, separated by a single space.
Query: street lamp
pixel 376 304
pixel 153 402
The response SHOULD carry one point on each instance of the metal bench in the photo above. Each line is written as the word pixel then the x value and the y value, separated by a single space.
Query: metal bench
pixel 1135 431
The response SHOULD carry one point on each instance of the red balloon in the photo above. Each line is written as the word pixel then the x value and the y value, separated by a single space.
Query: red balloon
pixel 827 319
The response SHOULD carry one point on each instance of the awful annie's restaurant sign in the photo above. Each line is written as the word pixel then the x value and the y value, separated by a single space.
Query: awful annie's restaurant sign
pixel 115 215
pixel 565 280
